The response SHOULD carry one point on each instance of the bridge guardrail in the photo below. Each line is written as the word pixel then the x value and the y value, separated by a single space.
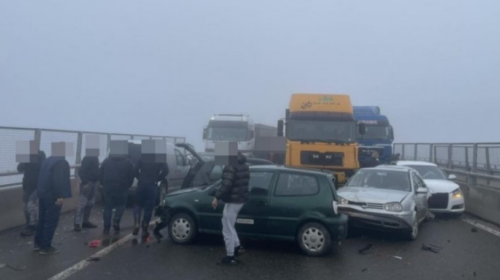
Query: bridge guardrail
pixel 476 165
pixel 473 160
pixel 10 135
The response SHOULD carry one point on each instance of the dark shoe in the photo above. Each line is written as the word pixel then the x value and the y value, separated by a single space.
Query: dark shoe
pixel 49 251
pixel 36 248
pixel 88 225
pixel 136 231
pixel 78 228
pixel 117 229
pixel 157 235
pixel 28 231
pixel 105 231
pixel 228 261
pixel 238 251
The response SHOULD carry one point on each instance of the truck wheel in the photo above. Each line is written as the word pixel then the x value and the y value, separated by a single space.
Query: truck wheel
pixel 314 239
pixel 182 229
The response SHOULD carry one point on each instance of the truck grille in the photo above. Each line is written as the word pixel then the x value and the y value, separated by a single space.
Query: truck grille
pixel 325 159
pixel 438 201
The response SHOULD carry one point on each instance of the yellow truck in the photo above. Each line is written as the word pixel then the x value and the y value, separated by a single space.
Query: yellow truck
pixel 321 133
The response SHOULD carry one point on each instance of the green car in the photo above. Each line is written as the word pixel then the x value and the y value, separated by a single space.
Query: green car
pixel 285 203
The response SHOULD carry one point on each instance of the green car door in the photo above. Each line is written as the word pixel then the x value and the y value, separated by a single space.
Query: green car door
pixel 252 218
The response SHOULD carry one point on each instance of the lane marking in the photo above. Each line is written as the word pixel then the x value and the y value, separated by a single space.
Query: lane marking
pixel 84 263
pixel 483 227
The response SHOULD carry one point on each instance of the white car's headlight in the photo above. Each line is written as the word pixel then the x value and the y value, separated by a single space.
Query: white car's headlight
pixel 457 193
pixel 393 207
pixel 343 201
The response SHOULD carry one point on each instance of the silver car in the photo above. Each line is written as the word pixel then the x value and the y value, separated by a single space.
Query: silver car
pixel 385 198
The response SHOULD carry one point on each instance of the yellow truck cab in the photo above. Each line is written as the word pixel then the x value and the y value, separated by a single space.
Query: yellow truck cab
pixel 321 133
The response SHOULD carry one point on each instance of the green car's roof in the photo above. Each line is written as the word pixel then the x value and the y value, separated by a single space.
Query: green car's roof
pixel 293 169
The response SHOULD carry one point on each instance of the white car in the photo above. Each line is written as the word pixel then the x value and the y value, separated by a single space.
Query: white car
pixel 446 194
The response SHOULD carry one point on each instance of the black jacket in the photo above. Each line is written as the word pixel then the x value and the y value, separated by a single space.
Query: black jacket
pixel 116 174
pixel 31 172
pixel 150 172
pixel 89 170
pixel 235 178
pixel 54 180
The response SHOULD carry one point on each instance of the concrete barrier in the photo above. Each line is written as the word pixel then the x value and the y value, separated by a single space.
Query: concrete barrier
pixel 482 202
pixel 11 205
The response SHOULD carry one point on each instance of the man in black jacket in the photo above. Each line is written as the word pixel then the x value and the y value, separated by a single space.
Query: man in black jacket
pixel 150 169
pixel 89 176
pixel 31 171
pixel 54 185
pixel 116 177
pixel 234 192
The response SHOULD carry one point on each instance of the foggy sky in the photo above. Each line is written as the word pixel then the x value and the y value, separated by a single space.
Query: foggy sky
pixel 164 67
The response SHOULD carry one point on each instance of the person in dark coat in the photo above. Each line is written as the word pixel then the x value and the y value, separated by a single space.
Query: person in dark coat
pixel 234 192
pixel 116 177
pixel 89 176
pixel 31 171
pixel 53 187
pixel 148 173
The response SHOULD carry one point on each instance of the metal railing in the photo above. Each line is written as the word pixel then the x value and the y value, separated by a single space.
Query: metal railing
pixel 10 135
pixel 477 163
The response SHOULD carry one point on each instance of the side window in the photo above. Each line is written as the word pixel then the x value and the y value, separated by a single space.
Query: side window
pixel 417 182
pixel 181 160
pixel 296 185
pixel 216 173
pixel 260 182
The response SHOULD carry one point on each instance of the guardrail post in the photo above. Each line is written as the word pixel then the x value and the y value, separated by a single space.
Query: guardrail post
pixel 450 157
pixel 472 178
pixel 467 165
pixel 415 152
pixel 403 151
pixel 431 147
pixel 78 158
pixel 38 137
pixel 435 155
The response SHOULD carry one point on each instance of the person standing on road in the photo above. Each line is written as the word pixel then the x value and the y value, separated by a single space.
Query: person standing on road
pixel 234 192
pixel 150 169
pixel 116 177
pixel 89 176
pixel 31 172
pixel 54 185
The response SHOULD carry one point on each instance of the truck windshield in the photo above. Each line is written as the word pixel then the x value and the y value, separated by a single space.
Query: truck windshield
pixel 377 132
pixel 227 133
pixel 327 131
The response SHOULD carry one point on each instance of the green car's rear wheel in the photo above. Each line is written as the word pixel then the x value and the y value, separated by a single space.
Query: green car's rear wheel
pixel 182 228
pixel 314 239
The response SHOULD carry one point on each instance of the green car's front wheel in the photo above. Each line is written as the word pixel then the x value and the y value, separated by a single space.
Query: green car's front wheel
pixel 182 228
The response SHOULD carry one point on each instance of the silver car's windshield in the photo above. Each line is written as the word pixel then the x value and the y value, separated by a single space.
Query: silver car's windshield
pixel 381 179
pixel 429 172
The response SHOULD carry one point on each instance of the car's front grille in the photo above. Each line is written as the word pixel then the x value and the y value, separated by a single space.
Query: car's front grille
pixel 324 159
pixel 368 205
pixel 438 201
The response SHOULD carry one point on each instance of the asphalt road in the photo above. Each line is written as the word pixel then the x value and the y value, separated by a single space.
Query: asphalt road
pixel 464 254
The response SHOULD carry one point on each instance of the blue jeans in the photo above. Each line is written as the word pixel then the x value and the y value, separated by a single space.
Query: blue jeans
pixel 145 198
pixel 48 219
pixel 117 201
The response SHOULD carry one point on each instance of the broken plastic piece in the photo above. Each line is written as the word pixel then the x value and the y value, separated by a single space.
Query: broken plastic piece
pixel 93 259
pixel 398 257
pixel 365 249
pixel 94 243
pixel 430 248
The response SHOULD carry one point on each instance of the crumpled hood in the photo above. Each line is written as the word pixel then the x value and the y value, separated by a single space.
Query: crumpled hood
pixel 440 186
pixel 371 195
